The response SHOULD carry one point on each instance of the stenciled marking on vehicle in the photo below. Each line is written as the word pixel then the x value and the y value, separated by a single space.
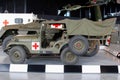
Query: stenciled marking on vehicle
pixel 35 46
pixel 57 26
pixel 5 22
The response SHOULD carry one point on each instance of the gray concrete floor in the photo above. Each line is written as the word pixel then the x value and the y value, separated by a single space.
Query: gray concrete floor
pixel 66 76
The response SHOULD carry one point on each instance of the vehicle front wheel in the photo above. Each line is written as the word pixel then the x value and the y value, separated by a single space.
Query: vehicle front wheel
pixel 67 57
pixel 17 55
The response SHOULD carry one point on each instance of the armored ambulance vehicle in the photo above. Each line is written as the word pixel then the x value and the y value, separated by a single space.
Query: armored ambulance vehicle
pixel 9 25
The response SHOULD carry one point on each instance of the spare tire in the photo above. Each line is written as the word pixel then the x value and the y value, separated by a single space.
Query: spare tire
pixel 92 50
pixel 78 45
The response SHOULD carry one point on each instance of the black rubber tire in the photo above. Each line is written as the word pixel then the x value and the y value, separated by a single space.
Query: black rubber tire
pixel 93 52
pixel 6 41
pixel 64 57
pixel 83 49
pixel 17 55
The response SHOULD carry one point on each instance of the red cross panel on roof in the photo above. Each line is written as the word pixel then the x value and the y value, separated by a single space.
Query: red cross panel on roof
pixel 35 46
pixel 56 26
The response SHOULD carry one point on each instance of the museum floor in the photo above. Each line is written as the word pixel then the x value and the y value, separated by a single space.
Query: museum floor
pixel 66 76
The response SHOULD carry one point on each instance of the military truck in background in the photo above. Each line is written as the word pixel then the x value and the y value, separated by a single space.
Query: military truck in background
pixel 68 39
pixel 9 25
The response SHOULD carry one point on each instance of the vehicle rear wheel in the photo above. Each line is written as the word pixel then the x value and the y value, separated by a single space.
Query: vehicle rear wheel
pixel 78 45
pixel 93 49
pixel 67 57
pixel 17 55
pixel 6 41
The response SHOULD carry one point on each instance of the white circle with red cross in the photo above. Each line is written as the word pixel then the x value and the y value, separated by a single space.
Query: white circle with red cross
pixel 35 45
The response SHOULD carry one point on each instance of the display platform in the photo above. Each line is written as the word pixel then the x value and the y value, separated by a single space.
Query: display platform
pixel 60 68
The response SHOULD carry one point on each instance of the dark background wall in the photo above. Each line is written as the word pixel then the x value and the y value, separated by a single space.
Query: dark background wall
pixel 13 6
pixel 51 7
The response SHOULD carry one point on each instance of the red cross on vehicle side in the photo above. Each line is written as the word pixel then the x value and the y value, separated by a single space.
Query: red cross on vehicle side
pixel 35 46
pixel 5 22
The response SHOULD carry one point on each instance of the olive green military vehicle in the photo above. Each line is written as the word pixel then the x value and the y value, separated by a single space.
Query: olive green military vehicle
pixel 68 39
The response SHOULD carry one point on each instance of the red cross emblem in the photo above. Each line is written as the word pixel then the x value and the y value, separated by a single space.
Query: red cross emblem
pixel 5 22
pixel 35 46
pixel 56 25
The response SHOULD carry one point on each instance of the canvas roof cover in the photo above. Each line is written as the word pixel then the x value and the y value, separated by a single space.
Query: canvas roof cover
pixel 88 27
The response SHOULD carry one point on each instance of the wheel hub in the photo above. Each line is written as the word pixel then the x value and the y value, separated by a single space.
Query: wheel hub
pixel 70 56
pixel 78 45
pixel 16 55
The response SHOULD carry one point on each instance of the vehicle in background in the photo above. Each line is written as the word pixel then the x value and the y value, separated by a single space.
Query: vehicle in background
pixel 7 31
